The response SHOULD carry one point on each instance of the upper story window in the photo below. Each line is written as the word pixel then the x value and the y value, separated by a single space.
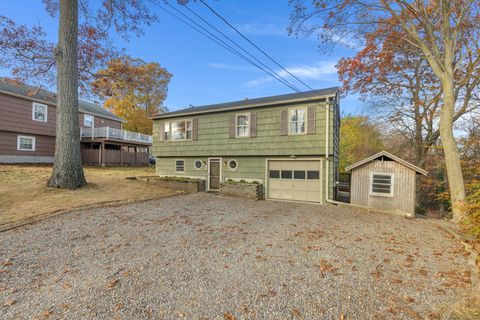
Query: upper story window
pixel 242 125
pixel 381 184
pixel 177 130
pixel 39 112
pixel 25 143
pixel 88 120
pixel 296 120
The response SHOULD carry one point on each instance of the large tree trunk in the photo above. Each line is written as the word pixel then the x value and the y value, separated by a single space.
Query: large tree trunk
pixel 67 167
pixel 452 158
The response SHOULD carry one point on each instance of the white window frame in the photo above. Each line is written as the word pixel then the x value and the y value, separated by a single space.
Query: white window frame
pixel 392 184
pixel 247 114
pixel 85 115
pixel 228 164
pixel 26 137
pixel 175 166
pixel 34 105
pixel 195 161
pixel 170 133
pixel 304 121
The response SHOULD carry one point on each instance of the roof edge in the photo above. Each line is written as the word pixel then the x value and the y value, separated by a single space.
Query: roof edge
pixel 186 112
pixel 389 155
pixel 13 94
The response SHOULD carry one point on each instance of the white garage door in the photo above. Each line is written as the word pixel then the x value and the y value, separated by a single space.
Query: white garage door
pixel 294 180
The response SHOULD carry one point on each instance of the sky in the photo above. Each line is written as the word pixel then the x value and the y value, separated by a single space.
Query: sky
pixel 205 73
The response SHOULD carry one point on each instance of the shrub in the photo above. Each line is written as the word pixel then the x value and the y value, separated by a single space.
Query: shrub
pixel 472 221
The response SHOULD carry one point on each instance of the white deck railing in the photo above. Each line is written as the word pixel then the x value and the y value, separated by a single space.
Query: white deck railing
pixel 115 134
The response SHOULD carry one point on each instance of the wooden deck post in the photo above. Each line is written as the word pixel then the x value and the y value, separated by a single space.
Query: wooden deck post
pixel 136 156
pixel 121 156
pixel 103 154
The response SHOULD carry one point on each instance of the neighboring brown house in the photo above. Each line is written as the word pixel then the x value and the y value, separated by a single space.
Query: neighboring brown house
pixel 385 182
pixel 27 130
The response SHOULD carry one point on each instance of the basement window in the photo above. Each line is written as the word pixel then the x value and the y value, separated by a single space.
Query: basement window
pixel 180 166
pixel 381 184
pixel 25 143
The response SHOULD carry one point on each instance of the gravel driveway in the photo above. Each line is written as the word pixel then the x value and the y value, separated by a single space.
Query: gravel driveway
pixel 204 256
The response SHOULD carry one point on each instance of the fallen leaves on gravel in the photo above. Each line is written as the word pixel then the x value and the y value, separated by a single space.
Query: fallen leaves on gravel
pixel 7 263
pixel 228 316
pixel 47 313
pixel 113 283
pixel 295 312
pixel 9 303
pixel 117 307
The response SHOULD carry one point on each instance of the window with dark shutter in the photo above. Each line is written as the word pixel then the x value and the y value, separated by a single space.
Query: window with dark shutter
pixel 162 131
pixel 253 124
pixel 284 122
pixel 310 120
pixel 195 129
pixel 232 127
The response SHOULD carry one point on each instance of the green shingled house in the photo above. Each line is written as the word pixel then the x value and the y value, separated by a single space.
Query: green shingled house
pixel 289 143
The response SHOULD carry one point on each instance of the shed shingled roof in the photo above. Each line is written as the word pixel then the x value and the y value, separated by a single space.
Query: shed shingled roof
pixel 390 156
pixel 250 103
pixel 41 95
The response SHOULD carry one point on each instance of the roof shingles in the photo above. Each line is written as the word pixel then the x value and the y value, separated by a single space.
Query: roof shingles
pixel 249 103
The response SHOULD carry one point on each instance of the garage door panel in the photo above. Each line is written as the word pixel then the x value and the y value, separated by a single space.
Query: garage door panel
pixel 294 180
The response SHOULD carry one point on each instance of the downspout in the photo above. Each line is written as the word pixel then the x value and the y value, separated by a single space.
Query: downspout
pixel 327 151
pixel 327 156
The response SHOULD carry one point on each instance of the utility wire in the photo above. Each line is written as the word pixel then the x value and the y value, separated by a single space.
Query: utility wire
pixel 225 45
pixel 253 44
pixel 239 46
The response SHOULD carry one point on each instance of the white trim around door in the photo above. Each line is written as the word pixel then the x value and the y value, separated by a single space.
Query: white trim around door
pixel 219 160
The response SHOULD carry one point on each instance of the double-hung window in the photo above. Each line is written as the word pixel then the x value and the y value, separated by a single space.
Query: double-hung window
pixel 177 130
pixel 296 120
pixel 381 184
pixel 88 120
pixel 39 112
pixel 25 143
pixel 242 124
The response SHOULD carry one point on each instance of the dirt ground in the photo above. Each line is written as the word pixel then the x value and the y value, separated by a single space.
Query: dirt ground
pixel 24 195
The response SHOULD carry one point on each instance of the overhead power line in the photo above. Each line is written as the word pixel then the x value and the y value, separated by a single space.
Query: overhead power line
pixel 253 44
pixel 240 47
pixel 223 44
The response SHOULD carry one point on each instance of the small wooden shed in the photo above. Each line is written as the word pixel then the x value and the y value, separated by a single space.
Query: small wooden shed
pixel 384 182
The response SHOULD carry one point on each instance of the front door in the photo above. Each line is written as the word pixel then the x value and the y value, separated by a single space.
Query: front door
pixel 214 174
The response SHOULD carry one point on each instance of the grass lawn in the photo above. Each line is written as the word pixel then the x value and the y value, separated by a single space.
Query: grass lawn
pixel 24 195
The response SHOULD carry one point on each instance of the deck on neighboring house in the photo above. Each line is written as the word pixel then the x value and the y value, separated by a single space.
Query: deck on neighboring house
pixel 107 146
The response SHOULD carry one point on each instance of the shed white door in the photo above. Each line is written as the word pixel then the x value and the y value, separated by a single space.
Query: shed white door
pixel 294 180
